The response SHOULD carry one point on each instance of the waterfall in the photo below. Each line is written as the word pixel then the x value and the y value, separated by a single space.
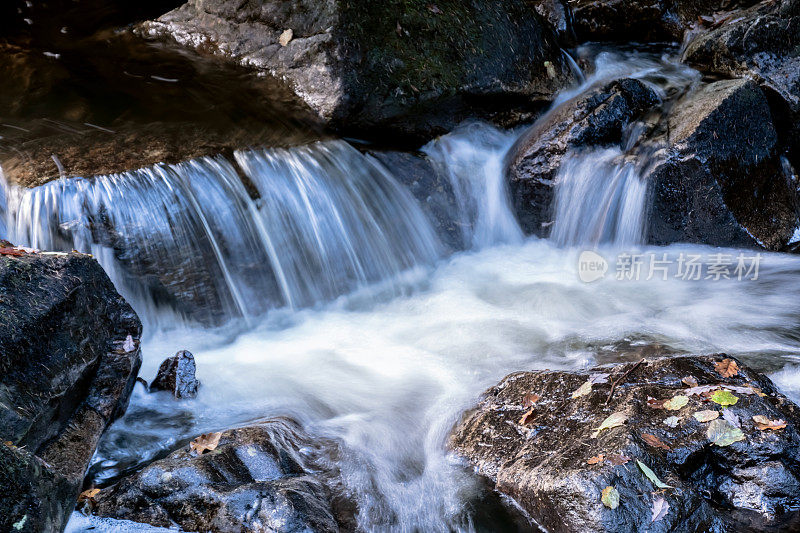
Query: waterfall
pixel 190 238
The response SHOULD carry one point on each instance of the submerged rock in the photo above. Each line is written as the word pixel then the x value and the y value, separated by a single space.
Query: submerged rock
pixel 410 68
pixel 265 477
pixel 539 440
pixel 720 180
pixel 69 355
pixel 598 117
pixel 176 375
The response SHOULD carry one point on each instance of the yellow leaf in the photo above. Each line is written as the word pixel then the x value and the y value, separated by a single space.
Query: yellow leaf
pixel 610 497
pixel 706 416
pixel 583 390
pixel 205 442
pixel 613 420
pixel 676 402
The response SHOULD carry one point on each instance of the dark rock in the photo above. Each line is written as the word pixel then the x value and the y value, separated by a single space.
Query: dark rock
pixel 750 485
pixel 642 20
pixel 176 375
pixel 762 44
pixel 720 180
pixel 432 190
pixel 406 70
pixel 559 15
pixel 266 477
pixel 69 354
pixel 599 116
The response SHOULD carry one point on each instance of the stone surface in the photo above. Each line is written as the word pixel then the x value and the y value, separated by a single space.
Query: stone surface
pixel 176 375
pixel 598 117
pixel 69 355
pixel 265 477
pixel 761 44
pixel 642 20
pixel 720 180
pixel 750 485
pixel 396 68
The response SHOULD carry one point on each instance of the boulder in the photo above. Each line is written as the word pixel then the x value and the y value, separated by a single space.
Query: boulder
pixel 265 477
pixel 559 15
pixel 642 20
pixel 536 436
pixel 176 375
pixel 761 44
pixel 406 70
pixel 597 117
pixel 720 179
pixel 69 355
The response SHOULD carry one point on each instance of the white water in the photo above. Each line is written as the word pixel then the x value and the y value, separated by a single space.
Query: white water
pixel 388 366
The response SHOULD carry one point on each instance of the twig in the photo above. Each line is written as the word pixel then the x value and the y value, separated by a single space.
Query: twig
pixel 622 378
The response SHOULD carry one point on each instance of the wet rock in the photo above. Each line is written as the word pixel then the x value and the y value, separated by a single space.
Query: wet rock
pixel 432 190
pixel 760 44
pixel 404 70
pixel 642 20
pixel 556 468
pixel 176 375
pixel 559 15
pixel 265 477
pixel 599 117
pixel 69 354
pixel 720 180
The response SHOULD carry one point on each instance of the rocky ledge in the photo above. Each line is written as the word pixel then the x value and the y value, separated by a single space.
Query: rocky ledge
pixel 693 443
pixel 69 355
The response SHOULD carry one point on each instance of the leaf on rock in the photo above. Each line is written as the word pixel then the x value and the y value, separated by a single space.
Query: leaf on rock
pixel 690 381
pixel 727 368
pixel 706 416
pixel 700 389
pixel 613 420
pixel 723 433
pixel 205 443
pixel 610 497
pixel 660 508
pixel 599 378
pixel 654 441
pixel 529 399
pixel 724 398
pixel 583 390
pixel 88 495
pixel 526 418
pixel 596 459
pixel 128 345
pixel 655 404
pixel 676 402
pixel 618 459
pixel 763 423
pixel 286 37
pixel 672 421
pixel 731 417
pixel 12 251
pixel 652 476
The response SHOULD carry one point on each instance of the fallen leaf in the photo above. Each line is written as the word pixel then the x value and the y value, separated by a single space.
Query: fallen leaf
pixel 654 441
pixel 763 423
pixel 613 420
pixel 128 345
pixel 690 381
pixel 701 389
pixel 529 399
pixel 676 402
pixel 596 459
pixel 583 390
pixel 652 476
pixel 731 417
pixel 660 508
pixel 526 417
pixel 706 416
pixel 655 404
pixel 723 433
pixel 610 497
pixel 724 398
pixel 88 495
pixel 599 378
pixel 286 37
pixel 672 421
pixel 12 251
pixel 618 459
pixel 205 442
pixel 727 368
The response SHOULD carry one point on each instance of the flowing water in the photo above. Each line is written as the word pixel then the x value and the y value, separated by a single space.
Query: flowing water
pixel 351 319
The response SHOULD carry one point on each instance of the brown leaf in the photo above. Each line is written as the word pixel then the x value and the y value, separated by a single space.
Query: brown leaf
pixel 529 399
pixel 690 381
pixel 655 404
pixel 205 443
pixel 88 495
pixel 617 459
pixel 654 441
pixel 727 368
pixel 763 423
pixel 596 459
pixel 526 418
pixel 12 251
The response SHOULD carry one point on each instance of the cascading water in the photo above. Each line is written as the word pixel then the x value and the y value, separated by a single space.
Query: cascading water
pixel 388 380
